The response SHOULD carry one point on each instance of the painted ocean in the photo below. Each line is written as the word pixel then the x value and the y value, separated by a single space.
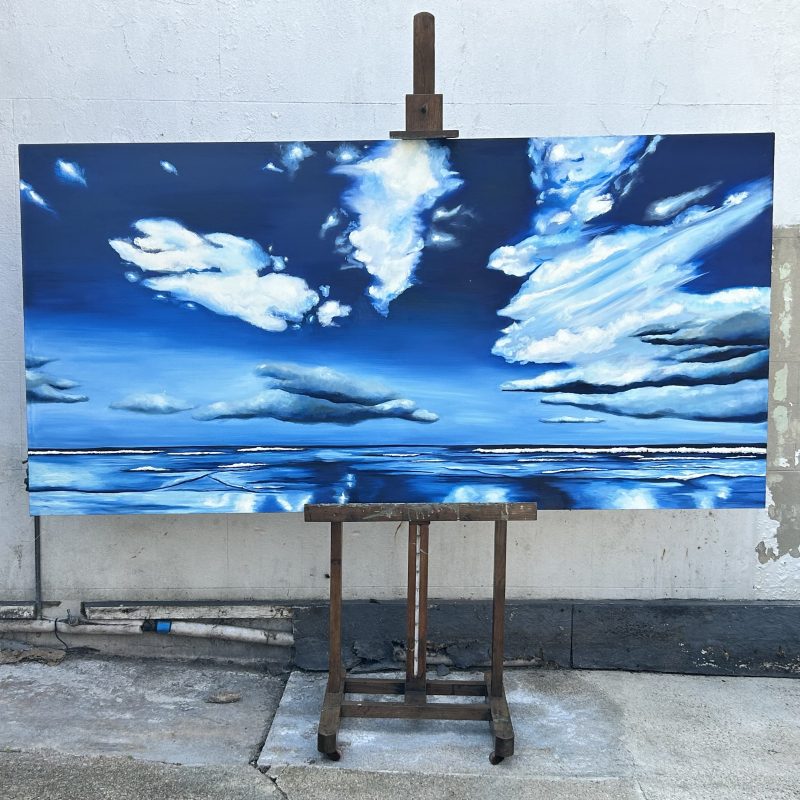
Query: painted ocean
pixel 269 479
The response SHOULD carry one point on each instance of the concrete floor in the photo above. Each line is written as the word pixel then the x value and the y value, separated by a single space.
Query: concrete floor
pixel 578 734
pixel 123 729
pixel 146 710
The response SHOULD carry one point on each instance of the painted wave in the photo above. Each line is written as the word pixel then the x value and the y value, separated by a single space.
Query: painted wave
pixel 219 479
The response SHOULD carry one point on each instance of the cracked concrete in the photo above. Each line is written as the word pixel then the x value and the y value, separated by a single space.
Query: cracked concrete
pixel 113 730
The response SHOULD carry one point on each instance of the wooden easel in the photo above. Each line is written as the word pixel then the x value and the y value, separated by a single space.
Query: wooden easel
pixel 424 120
pixel 416 688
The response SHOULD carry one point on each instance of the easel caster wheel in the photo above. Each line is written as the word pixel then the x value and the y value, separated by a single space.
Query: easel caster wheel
pixel 334 756
pixel 494 758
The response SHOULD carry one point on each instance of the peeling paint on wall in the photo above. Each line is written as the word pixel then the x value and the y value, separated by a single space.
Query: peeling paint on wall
pixel 785 316
pixel 784 508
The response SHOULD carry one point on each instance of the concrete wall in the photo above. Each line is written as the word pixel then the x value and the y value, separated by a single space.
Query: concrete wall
pixel 230 70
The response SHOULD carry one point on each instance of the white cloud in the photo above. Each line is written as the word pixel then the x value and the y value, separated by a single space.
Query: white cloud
pixel 612 303
pixel 394 185
pixel 324 383
pixel 442 213
pixel 70 172
pixel 302 410
pixel 744 401
pixel 345 154
pixel 168 167
pixel 268 302
pixel 315 395
pixel 610 375
pixel 589 299
pixel 270 166
pixel 576 180
pixel 218 271
pixel 29 194
pixel 40 387
pixel 156 404
pixel 670 206
pixel 293 154
pixel 330 311
pixel 441 239
pixel 333 220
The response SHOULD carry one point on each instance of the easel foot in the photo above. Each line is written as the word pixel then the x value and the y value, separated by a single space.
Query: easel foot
pixel 326 744
pixel 329 723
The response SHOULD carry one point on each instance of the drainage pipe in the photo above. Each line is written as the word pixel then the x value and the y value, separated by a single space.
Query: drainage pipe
pixel 231 633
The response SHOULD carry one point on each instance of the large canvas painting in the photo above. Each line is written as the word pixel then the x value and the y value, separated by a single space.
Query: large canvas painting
pixel 579 322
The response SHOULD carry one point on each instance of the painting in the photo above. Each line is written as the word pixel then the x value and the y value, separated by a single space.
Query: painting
pixel 250 327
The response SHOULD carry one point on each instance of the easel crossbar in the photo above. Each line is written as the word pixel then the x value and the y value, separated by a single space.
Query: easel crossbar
pixel 419 512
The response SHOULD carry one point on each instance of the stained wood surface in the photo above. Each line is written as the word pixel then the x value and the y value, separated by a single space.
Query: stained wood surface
pixel 502 727
pixel 476 711
pixel 424 115
pixel 460 688
pixel 419 512
pixel 329 721
pixel 450 134
pixel 335 668
pixel 499 606
pixel 424 53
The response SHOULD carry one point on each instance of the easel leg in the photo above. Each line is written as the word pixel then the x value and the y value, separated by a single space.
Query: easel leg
pixel 502 728
pixel 332 704
pixel 417 612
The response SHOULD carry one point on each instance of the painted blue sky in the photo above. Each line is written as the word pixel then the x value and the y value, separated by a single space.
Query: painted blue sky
pixel 584 291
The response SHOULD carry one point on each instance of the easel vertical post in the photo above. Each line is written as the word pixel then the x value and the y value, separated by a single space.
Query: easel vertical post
pixel 416 612
pixel 499 606
pixel 332 703
pixel 422 604
pixel 424 53
pixel 335 630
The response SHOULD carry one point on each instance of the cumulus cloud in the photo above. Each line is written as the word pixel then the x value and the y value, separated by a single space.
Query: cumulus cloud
pixel 441 239
pixel 314 395
pixel 219 271
pixel 293 154
pixel 330 311
pixel 156 404
pixel 40 387
pixel 345 154
pixel 611 303
pixel 670 206
pixel 324 383
pixel 168 167
pixel 394 186
pixel 271 166
pixel 333 220
pixel 443 213
pixel 70 172
pixel 30 195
